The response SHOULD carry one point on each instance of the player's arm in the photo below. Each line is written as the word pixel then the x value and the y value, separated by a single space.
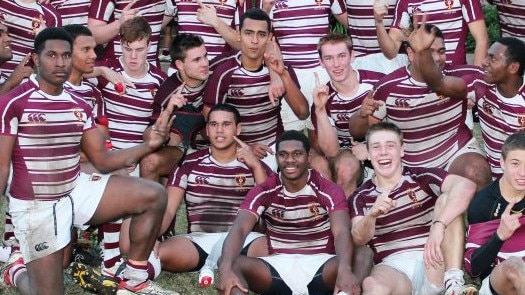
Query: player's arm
pixel 478 30
pixel 324 131
pixel 362 119
pixel 457 192
pixel 346 281
pixel 342 18
pixel 363 227
pixel 420 42
pixel 389 41
pixel 242 225
pixel 7 143
pixel 175 197
pixel 207 14
pixel 104 32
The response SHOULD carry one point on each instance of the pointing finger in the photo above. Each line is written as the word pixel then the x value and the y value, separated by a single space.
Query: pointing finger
pixel 130 4
pixel 317 82
pixel 240 142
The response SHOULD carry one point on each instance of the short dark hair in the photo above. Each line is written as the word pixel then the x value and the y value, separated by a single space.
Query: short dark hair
pixel 76 30
pixel 293 135
pixel 135 29
pixel 514 52
pixel 52 33
pixel 428 28
pixel 514 142
pixel 256 14
pixel 182 43
pixel 226 108
pixel 384 126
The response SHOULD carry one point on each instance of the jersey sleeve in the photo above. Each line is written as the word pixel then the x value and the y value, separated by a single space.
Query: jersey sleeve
pixel 472 11
pixel 102 10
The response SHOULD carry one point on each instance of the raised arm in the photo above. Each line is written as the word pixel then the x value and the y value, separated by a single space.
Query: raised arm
pixel 207 14
pixel 324 131
pixel 104 32
pixel 389 41
pixel 478 30
pixel 420 42
pixel 364 227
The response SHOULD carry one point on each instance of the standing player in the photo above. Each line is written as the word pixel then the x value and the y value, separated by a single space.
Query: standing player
pixel 41 112
pixel 499 91
pixel 298 26
pixel 307 229
pixel 453 18
pixel 405 214
pixel 106 17
pixel 213 183
pixel 72 11
pixel 495 249
pixel 433 124
pixel 243 82
pixel 25 19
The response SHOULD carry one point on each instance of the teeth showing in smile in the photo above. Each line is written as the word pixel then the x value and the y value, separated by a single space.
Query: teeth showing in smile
pixel 384 162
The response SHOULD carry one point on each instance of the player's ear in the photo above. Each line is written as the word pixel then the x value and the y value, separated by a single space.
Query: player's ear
pixel 239 128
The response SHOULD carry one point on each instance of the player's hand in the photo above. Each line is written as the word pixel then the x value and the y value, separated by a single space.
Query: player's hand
pixel 380 10
pixel 347 282
pixel 420 39
pixel 509 223
pixel 432 255
pixel 176 99
pixel 21 71
pixel 273 57
pixel 160 131
pixel 359 150
pixel 267 5
pixel 276 89
pixel 115 78
pixel 261 150
pixel 320 94
pixel 207 14
pixel 128 12
pixel 245 154
pixel 369 105
pixel 227 281
pixel 382 205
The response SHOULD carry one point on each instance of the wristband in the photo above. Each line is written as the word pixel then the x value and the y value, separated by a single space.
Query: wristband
pixel 439 221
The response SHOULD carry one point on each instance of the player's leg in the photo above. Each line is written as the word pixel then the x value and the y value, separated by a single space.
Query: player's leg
pixel 507 277
pixel 386 280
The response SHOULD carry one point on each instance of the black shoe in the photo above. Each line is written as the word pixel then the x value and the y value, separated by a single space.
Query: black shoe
pixel 92 280
pixel 85 257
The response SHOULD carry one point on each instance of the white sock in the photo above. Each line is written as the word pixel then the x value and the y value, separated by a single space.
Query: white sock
pixel 453 276
pixel 5 252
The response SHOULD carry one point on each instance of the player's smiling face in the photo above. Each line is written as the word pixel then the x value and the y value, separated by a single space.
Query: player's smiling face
pixel 514 170
pixel 5 44
pixel 221 128
pixel 83 56
pixel 195 68
pixel 336 60
pixel 385 151
pixel 292 159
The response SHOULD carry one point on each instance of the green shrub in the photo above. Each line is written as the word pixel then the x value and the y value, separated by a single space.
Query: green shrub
pixel 491 19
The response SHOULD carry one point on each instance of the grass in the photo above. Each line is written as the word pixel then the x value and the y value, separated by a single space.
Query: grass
pixel 184 283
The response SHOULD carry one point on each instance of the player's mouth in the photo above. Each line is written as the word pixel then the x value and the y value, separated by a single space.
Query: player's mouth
pixel 384 163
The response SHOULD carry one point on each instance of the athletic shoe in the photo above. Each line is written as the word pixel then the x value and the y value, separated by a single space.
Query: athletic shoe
pixel 206 277
pixel 115 270
pixel 457 289
pixel 11 242
pixel 147 287
pixel 15 259
pixel 92 280
pixel 85 257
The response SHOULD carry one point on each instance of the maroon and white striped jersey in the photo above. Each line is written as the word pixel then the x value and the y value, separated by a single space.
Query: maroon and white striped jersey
pixel 406 227
pixel 186 14
pixel 214 190
pixel 72 11
pixel 499 117
pixel 48 131
pixel 129 113
pixel 340 108
pixel 110 10
pixel 297 223
pixel 433 125
pixel 298 26
pixel 248 92
pixel 24 21
pixel 511 14
pixel 361 25
pixel 86 90
pixel 451 16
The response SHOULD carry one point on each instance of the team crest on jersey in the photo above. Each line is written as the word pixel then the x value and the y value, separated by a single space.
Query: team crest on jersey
pixel 281 4
pixel 78 114
pixel 521 121
pixel 443 99
pixel 487 108
pixel 402 103
pixel 153 91
pixel 314 209
pixel 413 197
pixel 36 24
pixel 240 180
pixel 449 3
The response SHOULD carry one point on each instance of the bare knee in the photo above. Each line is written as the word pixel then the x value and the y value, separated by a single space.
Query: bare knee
pixel 150 163
pixel 154 195
pixel 320 164
pixel 372 285
pixel 514 268
pixel 474 167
